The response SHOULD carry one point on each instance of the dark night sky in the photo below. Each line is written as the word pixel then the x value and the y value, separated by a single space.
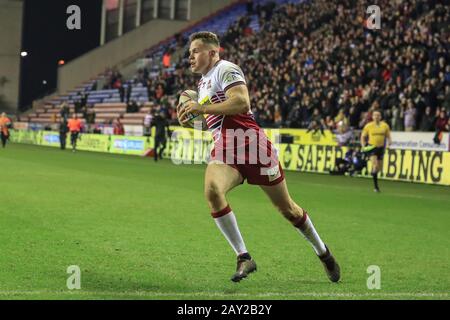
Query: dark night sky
pixel 47 40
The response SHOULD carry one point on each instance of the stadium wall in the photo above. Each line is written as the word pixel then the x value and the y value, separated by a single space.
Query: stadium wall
pixel 418 166
pixel 130 45
pixel 11 13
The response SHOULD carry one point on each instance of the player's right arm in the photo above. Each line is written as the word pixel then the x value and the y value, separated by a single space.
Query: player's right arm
pixel 388 136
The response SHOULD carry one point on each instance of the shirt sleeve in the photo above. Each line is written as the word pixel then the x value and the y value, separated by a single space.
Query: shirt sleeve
pixel 230 75
pixel 365 131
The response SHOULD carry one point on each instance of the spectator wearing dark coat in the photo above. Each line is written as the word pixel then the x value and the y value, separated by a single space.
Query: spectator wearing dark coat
pixel 428 120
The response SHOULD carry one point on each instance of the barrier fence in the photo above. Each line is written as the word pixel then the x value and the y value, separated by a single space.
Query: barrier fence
pixel 418 164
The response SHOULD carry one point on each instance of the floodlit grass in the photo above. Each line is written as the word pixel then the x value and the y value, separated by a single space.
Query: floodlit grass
pixel 142 230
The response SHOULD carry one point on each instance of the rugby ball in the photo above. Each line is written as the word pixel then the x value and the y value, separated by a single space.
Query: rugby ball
pixel 185 97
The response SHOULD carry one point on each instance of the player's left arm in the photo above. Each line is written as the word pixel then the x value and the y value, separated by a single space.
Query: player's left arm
pixel 238 101
pixel 388 137
pixel 232 81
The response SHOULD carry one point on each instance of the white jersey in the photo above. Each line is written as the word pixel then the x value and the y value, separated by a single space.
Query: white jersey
pixel 211 89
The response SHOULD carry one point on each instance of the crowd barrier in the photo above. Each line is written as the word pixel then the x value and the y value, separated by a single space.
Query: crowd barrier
pixel 188 146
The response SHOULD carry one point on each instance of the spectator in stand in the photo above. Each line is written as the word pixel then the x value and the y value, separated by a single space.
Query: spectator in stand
pixel 366 117
pixel 446 96
pixel 167 58
pixel 83 99
pixel 132 107
pixel 440 125
pixel 141 77
pixel 317 123
pixel 119 86
pixel 410 116
pixel 428 120
pixel 329 123
pixel 294 119
pixel 277 117
pixel 396 118
pixel 353 116
pixel 129 89
pixel 77 106
pixel 249 7
pixel 159 92
pixel 341 119
pixel 90 115
pixel 115 80
pixel 150 89
pixel 94 86
pixel 118 128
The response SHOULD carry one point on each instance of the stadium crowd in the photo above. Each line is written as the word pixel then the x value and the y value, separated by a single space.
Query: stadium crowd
pixel 315 65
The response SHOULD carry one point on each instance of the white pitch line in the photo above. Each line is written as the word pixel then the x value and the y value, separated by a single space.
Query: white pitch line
pixel 221 294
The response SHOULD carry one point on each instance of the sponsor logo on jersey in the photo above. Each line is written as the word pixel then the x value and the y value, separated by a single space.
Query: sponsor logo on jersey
pixel 232 76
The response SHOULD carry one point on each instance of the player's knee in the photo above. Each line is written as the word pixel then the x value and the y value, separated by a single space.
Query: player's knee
pixel 213 192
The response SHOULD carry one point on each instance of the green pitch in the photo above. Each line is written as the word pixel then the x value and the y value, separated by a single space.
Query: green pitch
pixel 140 230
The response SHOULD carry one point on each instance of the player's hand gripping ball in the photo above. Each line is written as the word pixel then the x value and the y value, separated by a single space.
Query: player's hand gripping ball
pixel 187 118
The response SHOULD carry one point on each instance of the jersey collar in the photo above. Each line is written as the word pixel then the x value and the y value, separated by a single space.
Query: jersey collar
pixel 212 69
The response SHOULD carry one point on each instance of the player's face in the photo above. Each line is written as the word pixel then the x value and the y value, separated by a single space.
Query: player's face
pixel 376 116
pixel 199 56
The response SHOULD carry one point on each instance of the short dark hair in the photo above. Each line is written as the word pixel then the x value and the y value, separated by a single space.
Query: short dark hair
pixel 206 37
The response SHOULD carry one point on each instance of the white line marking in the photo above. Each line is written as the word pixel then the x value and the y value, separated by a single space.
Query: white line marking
pixel 222 294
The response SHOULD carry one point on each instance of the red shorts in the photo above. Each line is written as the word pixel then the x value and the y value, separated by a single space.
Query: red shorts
pixel 252 172
pixel 257 171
